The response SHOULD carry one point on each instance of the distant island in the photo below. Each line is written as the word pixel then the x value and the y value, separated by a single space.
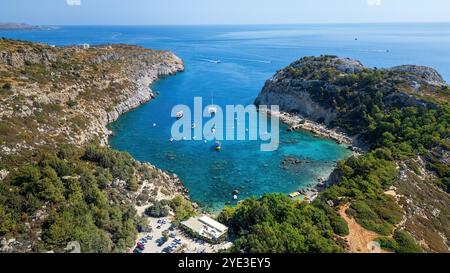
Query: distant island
pixel 21 26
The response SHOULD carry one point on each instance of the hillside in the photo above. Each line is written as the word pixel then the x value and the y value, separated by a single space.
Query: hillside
pixel 20 26
pixel 399 188
pixel 58 183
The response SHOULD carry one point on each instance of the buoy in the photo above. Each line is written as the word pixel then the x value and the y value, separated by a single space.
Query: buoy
pixel 154 124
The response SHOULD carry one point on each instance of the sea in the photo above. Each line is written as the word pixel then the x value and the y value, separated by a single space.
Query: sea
pixel 229 66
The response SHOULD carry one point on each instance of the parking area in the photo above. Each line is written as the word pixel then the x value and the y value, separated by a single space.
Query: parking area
pixel 178 241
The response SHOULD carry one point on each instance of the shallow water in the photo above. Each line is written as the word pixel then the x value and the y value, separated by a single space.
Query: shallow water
pixel 249 55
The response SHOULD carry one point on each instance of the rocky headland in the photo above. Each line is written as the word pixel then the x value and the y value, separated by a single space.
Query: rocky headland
pixel 57 101
pixel 393 110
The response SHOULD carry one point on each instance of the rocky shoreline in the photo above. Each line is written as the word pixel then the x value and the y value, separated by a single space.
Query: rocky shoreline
pixel 297 122
pixel 69 95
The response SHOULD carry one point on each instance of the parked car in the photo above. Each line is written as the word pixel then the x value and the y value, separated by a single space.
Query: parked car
pixel 137 250
pixel 141 246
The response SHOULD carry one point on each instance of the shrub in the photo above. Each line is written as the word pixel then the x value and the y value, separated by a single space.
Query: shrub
pixel 158 209
pixel 401 242
pixel 7 86
pixel 182 207
pixel 72 103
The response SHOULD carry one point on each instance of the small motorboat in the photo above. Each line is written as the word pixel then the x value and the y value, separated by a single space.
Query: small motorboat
pixel 179 115
pixel 193 125
pixel 212 110
pixel 218 146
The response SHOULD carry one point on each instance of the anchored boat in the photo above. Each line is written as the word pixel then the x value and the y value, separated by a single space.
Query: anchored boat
pixel 218 146
pixel 179 115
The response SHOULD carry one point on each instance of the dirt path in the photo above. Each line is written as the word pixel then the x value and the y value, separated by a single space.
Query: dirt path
pixel 360 239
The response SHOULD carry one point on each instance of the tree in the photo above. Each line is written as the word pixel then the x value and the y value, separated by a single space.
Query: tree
pixel 158 209
pixel 182 207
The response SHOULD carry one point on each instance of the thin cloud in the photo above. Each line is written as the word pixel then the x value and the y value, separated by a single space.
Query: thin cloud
pixel 373 3
pixel 73 2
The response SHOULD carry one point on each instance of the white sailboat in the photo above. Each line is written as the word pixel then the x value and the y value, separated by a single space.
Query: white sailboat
pixel 212 110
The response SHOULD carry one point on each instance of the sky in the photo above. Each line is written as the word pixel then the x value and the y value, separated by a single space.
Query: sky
pixel 221 12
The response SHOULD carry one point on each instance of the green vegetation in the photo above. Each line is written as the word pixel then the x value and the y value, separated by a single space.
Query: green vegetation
pixel 276 224
pixel 66 195
pixel 401 242
pixel 158 209
pixel 121 165
pixel 369 104
pixel 363 180
pixel 182 207
pixel 376 106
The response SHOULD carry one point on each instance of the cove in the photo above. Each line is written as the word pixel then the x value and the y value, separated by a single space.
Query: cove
pixel 212 176
pixel 249 55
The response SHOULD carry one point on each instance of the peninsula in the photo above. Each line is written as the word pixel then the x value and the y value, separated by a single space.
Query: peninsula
pixel 59 181
pixel 395 195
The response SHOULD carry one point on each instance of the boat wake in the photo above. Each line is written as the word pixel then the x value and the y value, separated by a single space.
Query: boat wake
pixel 211 61
pixel 249 60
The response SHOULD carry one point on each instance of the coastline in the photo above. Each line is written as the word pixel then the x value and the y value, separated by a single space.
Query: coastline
pixel 144 94
pixel 297 122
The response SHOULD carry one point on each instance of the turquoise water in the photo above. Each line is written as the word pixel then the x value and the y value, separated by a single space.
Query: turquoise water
pixel 249 55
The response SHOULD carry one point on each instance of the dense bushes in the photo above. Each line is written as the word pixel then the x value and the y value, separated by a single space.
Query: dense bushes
pixel 67 196
pixel 158 209
pixel 121 165
pixel 182 207
pixel 275 223
pixel 401 242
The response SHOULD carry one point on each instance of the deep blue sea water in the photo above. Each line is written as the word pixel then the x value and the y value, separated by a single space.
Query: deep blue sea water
pixel 249 55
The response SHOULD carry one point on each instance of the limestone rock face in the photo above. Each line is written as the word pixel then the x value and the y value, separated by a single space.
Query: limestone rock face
pixel 69 94
pixel 294 87
pixel 421 74
pixel 292 96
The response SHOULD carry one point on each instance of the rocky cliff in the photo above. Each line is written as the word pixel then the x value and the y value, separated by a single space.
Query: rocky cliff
pixel 296 88
pixel 55 101
pixel 402 111
pixel 69 94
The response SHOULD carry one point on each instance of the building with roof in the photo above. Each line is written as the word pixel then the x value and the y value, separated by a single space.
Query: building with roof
pixel 206 228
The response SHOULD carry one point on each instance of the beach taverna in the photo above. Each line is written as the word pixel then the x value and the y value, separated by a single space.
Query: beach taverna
pixel 206 228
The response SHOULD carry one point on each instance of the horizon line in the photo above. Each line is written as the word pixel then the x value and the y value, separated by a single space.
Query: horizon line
pixel 239 24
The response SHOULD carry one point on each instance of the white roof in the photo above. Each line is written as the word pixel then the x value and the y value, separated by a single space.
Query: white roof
pixel 212 223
